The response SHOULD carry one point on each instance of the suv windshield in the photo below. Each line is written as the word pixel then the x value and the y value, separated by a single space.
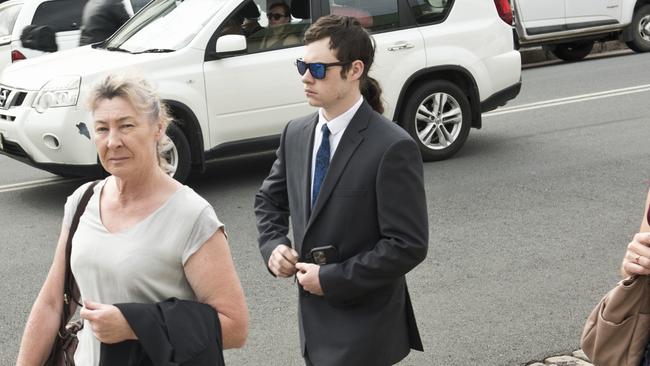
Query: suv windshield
pixel 164 26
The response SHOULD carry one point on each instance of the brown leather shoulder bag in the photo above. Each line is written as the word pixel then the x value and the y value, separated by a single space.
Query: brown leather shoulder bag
pixel 65 344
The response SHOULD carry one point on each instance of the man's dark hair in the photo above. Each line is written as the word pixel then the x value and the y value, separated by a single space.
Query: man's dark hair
pixel 351 42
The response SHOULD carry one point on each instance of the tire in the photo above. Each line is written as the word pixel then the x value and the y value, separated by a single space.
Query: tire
pixel 439 132
pixel 178 153
pixel 639 30
pixel 574 51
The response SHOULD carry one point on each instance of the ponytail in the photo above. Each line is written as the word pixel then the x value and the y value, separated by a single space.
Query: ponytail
pixel 371 91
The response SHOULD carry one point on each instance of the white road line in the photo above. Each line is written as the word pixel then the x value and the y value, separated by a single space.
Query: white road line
pixel 32 184
pixel 569 100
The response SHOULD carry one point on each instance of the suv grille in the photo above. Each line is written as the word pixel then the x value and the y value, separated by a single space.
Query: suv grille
pixel 11 97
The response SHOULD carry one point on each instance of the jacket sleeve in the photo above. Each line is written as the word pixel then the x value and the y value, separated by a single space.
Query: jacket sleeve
pixel 272 206
pixel 171 332
pixel 403 228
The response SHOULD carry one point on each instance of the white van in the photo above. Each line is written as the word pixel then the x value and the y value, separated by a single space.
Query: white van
pixel 441 63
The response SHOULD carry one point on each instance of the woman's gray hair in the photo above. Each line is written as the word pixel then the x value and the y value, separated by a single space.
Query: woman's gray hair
pixel 143 97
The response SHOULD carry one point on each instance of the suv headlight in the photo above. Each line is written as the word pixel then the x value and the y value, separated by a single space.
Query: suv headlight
pixel 61 91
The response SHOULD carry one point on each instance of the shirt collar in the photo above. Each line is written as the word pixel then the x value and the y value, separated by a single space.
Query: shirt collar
pixel 338 124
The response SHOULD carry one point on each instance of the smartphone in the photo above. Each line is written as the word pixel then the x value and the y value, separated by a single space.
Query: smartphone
pixel 324 255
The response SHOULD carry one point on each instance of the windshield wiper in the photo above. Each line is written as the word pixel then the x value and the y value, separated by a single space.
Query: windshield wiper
pixel 156 50
pixel 117 49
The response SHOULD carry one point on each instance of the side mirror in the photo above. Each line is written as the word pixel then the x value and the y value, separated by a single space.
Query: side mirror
pixel 40 38
pixel 230 44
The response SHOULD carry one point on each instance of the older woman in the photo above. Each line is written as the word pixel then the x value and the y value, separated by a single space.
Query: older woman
pixel 143 237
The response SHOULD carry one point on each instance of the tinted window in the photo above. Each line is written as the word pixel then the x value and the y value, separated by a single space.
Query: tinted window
pixel 138 4
pixel 376 15
pixel 8 19
pixel 430 11
pixel 61 15
pixel 269 24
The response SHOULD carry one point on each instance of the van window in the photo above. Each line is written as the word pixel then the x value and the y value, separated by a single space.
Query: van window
pixel 375 15
pixel 8 18
pixel 60 15
pixel 430 11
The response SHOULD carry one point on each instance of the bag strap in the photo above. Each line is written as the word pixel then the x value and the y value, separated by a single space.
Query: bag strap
pixel 69 285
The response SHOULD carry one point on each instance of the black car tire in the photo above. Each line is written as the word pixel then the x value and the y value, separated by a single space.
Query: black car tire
pixel 639 35
pixel 437 138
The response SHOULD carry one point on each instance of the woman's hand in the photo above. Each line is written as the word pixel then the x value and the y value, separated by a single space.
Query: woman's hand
pixel 637 257
pixel 107 322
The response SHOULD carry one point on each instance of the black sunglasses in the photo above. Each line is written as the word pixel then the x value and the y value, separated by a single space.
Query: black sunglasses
pixel 317 69
pixel 275 16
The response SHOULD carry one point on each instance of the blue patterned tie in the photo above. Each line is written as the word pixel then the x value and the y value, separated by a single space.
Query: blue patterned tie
pixel 322 163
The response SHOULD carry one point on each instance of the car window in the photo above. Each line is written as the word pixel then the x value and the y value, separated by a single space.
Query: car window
pixel 375 15
pixel 60 15
pixel 430 11
pixel 138 4
pixel 164 25
pixel 8 17
pixel 269 24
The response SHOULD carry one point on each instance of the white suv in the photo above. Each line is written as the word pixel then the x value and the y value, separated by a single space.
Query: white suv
pixel 63 16
pixel 440 64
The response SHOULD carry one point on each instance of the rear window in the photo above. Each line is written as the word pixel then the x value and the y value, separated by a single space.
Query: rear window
pixel 60 15
pixel 430 11
pixel 8 17
pixel 375 15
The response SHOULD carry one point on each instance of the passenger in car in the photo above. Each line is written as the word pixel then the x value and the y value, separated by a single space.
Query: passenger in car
pixel 278 34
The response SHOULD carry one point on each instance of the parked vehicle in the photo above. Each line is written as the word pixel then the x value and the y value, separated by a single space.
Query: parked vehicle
pixel 62 16
pixel 569 28
pixel 440 63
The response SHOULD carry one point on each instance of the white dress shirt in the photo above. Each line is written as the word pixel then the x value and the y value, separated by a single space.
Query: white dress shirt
pixel 336 126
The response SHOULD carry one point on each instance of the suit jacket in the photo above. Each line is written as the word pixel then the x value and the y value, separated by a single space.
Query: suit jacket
pixel 170 333
pixel 372 208
pixel 100 19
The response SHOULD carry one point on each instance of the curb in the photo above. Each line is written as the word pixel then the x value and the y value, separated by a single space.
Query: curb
pixel 576 358
pixel 538 54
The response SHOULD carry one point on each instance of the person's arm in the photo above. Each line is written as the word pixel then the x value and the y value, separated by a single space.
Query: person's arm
pixel 272 213
pixel 211 273
pixel 45 316
pixel 403 226
pixel 638 250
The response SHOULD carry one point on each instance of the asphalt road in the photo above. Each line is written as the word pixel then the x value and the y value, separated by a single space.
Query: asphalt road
pixel 528 224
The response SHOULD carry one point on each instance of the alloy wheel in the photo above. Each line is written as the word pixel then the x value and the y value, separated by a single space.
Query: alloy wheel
pixel 438 121
pixel 644 28
pixel 170 154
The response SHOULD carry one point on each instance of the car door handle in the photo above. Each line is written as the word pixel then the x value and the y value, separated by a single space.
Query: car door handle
pixel 400 46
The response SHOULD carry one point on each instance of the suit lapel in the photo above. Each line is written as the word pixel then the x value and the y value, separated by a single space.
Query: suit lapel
pixel 350 140
pixel 307 134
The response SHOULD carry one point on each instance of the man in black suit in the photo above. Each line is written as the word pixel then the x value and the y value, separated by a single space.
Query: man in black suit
pixel 351 181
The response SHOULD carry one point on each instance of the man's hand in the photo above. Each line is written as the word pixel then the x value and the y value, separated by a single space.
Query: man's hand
pixel 283 261
pixel 107 322
pixel 308 278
